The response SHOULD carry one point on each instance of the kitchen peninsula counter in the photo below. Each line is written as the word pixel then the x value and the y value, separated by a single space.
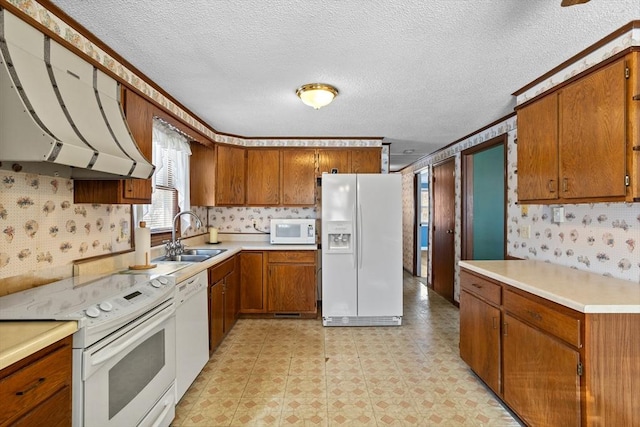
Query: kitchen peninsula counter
pixel 20 339
pixel 579 290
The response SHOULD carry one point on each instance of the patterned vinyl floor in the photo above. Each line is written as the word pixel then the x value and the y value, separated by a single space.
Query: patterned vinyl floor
pixel 293 372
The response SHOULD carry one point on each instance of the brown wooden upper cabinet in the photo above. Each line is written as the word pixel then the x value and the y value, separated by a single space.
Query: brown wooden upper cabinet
pixel 298 177
pixel 338 160
pixel 575 144
pixel 230 175
pixel 139 114
pixel 366 160
pixel 349 160
pixel 202 175
pixel 263 177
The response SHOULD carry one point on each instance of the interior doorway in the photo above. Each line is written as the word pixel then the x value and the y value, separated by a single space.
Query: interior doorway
pixel 443 229
pixel 484 200
pixel 422 220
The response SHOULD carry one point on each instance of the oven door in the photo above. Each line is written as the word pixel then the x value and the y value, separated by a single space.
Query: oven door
pixel 126 375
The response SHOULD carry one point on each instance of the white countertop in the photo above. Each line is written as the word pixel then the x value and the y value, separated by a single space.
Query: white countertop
pixel 580 290
pixel 21 339
pixel 186 270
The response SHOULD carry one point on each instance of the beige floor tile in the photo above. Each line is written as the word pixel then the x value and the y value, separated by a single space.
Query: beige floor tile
pixel 295 372
pixel 347 386
pixel 308 366
pixel 352 419
pixel 276 365
pixel 306 386
pixel 343 366
pixel 306 419
pixel 265 386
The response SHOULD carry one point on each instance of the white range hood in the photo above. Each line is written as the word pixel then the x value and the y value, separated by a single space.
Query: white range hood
pixel 56 107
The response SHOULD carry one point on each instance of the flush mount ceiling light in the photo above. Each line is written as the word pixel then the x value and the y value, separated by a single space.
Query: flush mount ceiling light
pixel 317 95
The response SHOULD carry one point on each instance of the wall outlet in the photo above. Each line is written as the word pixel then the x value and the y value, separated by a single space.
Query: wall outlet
pixel 557 214
pixel 525 231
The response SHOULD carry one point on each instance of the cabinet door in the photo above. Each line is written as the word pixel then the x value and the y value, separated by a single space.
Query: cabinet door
pixel 366 160
pixel 538 150
pixel 541 382
pixel 231 283
pixel 216 314
pixel 263 177
pixel 480 338
pixel 252 292
pixel 202 178
pixel 333 159
pixel 230 175
pixel 592 135
pixel 291 288
pixel 298 177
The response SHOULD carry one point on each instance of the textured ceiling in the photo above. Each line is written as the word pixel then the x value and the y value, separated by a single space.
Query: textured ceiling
pixel 419 73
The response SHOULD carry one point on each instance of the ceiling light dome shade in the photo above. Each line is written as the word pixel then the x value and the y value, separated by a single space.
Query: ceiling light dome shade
pixel 317 95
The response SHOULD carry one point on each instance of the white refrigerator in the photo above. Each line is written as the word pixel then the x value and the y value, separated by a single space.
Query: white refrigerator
pixel 361 249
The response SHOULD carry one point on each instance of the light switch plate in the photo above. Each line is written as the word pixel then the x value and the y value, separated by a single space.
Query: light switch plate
pixel 558 214
pixel 525 231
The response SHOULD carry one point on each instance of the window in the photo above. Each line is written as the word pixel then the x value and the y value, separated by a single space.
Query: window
pixel 170 180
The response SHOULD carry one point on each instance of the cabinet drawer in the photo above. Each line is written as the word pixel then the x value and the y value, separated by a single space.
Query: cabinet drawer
pixel 28 387
pixel 480 286
pixel 218 272
pixel 562 325
pixel 292 256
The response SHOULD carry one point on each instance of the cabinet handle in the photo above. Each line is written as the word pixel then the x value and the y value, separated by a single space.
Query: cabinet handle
pixel 129 186
pixel 565 185
pixel 551 186
pixel 534 315
pixel 31 387
pixel 505 328
pixel 475 285
pixel 494 322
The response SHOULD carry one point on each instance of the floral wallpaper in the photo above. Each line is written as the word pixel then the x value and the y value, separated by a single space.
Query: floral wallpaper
pixel 91 51
pixel 602 238
pixel 241 219
pixel 597 237
pixel 42 230
pixel 408 219
pixel 622 42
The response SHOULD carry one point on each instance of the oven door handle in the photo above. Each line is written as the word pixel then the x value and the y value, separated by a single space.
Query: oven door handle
pixel 111 352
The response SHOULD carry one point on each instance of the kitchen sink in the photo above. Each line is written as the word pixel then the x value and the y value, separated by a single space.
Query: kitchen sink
pixel 209 252
pixel 191 255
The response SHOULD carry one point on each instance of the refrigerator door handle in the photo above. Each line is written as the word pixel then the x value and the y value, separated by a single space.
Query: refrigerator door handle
pixel 360 247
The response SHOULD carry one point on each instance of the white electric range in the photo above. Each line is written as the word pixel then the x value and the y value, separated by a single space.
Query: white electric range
pixel 124 349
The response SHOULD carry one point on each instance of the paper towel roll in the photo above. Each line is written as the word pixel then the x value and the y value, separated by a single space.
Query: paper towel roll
pixel 143 244
pixel 213 235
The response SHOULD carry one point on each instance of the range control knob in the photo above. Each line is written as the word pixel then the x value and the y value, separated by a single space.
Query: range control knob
pixel 92 311
pixel 156 283
pixel 163 280
pixel 105 306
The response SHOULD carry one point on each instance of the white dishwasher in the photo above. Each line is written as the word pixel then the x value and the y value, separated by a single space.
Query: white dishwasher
pixel 192 331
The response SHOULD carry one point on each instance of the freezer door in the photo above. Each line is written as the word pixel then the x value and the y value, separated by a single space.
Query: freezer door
pixel 339 279
pixel 379 245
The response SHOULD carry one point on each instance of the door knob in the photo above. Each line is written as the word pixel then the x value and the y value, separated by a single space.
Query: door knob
pixel 449 231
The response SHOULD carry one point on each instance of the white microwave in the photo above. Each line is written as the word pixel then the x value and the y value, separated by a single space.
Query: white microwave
pixel 293 231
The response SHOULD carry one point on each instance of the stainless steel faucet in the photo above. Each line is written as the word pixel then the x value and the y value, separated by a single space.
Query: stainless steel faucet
pixel 174 246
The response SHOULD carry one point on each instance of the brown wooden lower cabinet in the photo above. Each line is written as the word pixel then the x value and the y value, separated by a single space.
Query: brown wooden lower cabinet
pixel 252 287
pixel 223 300
pixel 541 381
pixel 278 282
pixel 36 391
pixel 291 282
pixel 480 338
pixel 553 366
